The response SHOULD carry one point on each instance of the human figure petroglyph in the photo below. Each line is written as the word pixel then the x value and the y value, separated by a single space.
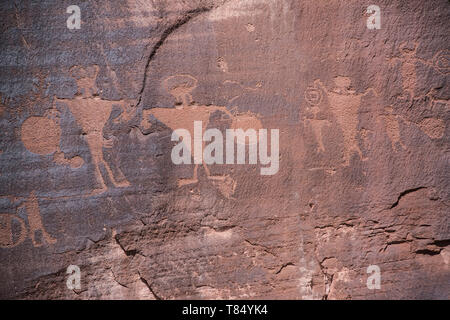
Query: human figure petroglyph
pixel 37 233
pixel 344 103
pixel 440 62
pixel 408 61
pixel 91 114
pixel 408 69
pixel 392 126
pixel 184 114
pixel 314 97
pixel 317 126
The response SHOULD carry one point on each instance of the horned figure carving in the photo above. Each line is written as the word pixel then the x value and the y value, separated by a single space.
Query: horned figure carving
pixel 184 114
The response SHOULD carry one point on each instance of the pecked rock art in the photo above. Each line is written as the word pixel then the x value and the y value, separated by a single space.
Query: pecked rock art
pixel 310 231
pixel 314 97
pixel 344 103
pixel 392 126
pixel 9 238
pixel 13 230
pixel 408 60
pixel 184 114
pixel 441 61
pixel 35 222
pixel 91 114
pixel 408 69
pixel 41 135
pixel 433 128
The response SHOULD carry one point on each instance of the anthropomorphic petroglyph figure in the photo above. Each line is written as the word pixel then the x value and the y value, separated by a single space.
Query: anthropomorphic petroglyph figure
pixel 392 126
pixel 314 97
pixel 409 61
pixel 344 103
pixel 408 70
pixel 186 112
pixel 92 113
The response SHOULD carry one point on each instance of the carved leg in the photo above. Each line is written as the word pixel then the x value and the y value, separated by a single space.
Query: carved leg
pixel 224 183
pixel 184 182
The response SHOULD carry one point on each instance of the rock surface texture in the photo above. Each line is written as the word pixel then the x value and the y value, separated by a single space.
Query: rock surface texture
pixel 87 179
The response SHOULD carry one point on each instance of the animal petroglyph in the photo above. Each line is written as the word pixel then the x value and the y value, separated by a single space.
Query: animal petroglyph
pixel 344 103
pixel 186 112
pixel 13 230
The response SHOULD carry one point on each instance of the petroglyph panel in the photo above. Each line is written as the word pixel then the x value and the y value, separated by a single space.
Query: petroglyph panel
pixel 87 179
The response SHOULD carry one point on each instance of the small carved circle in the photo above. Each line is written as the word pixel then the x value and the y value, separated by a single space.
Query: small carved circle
pixel 442 61
pixel 313 96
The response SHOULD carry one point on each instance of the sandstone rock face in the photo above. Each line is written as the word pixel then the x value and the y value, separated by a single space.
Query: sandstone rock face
pixel 87 178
